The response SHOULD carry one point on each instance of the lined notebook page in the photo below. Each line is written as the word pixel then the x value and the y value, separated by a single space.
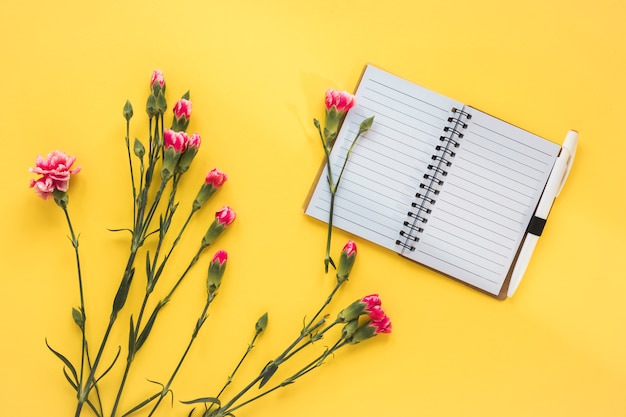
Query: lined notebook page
pixel 388 162
pixel 487 200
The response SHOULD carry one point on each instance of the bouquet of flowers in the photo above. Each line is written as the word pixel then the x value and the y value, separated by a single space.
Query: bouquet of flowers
pixel 156 168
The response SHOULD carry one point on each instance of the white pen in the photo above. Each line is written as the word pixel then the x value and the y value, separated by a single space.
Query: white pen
pixel 557 178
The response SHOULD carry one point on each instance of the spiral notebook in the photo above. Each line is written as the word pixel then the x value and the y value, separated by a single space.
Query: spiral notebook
pixel 435 180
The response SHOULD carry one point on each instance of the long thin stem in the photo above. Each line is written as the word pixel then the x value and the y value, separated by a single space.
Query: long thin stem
pixel 326 303
pixel 306 369
pixel 277 362
pixel 149 288
pixel 83 352
pixel 201 320
pixel 130 164
pixel 84 390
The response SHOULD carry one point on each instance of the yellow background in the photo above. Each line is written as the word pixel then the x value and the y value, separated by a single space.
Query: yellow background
pixel 257 72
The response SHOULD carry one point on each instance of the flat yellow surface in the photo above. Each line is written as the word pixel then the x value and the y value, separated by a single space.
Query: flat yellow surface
pixel 257 72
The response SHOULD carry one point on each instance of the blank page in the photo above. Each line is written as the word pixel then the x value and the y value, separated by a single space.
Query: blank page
pixel 388 162
pixel 485 205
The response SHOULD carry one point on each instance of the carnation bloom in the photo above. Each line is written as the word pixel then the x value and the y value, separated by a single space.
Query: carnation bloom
pixel 215 178
pixel 370 306
pixel 216 271
pixel 213 181
pixel 157 77
pixel 337 104
pixel 194 141
pixel 174 144
pixel 182 108
pixel 346 261
pixel 175 140
pixel 378 318
pixel 341 100
pixel 191 149
pixel 55 171
pixel 223 218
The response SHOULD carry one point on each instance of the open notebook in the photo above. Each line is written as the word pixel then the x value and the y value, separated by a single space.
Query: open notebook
pixel 437 181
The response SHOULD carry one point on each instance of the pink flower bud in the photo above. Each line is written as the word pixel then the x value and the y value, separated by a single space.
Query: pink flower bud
pixel 157 77
pixel 55 171
pixel 182 108
pixel 349 248
pixel 346 261
pixel 213 181
pixel 337 104
pixel 383 325
pixel 215 178
pixel 341 100
pixel 225 216
pixel 220 257
pixel 371 301
pixel 194 141
pixel 175 140
pixel 216 271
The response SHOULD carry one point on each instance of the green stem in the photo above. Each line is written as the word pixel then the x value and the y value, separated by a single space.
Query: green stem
pixel 149 289
pixel 306 369
pixel 130 164
pixel 83 352
pixel 232 375
pixel 326 303
pixel 278 361
pixel 201 320
pixel 83 392
pixel 311 340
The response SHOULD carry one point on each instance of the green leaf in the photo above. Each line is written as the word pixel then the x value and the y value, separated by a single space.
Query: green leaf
pixel 122 291
pixel 65 361
pixel 106 371
pixel 204 400
pixel 269 371
pixel 131 340
pixel 186 95
pixel 69 379
pixel 148 327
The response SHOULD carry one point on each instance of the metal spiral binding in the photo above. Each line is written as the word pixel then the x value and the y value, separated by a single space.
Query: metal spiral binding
pixel 432 182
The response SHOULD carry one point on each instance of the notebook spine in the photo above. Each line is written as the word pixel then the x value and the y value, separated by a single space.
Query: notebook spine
pixel 433 180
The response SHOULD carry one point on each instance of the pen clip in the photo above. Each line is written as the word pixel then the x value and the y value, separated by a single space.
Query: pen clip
pixel 569 147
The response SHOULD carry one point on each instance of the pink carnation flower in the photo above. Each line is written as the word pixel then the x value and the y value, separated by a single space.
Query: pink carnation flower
pixel 215 178
pixel 349 248
pixel 55 171
pixel 157 77
pixel 225 216
pixel 182 108
pixel 194 141
pixel 175 140
pixel 379 319
pixel 341 100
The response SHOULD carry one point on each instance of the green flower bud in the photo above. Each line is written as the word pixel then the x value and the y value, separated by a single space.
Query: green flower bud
pixel 261 323
pixel 128 111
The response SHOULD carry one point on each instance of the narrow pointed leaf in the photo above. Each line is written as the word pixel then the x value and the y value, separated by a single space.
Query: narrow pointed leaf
pixel 204 400
pixel 148 327
pixel 106 371
pixel 65 361
pixel 267 373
